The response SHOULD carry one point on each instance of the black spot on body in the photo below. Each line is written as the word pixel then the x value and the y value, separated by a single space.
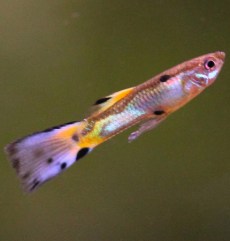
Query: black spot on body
pixel 63 165
pixel 50 160
pixel 82 153
pixel 158 112
pixel 102 100
pixel 164 78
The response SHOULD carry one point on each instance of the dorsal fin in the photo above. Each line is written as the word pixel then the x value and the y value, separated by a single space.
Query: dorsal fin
pixel 104 103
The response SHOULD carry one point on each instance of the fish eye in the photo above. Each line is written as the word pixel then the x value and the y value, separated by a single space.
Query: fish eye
pixel 209 64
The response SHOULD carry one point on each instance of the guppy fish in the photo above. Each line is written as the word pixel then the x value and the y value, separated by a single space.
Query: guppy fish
pixel 42 155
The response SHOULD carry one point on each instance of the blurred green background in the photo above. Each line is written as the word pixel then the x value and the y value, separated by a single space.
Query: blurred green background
pixel 56 58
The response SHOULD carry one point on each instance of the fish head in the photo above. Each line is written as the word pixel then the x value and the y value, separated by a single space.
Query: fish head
pixel 201 72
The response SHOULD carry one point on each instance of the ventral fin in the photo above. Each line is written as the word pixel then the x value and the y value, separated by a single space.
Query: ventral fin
pixel 147 126
pixel 104 103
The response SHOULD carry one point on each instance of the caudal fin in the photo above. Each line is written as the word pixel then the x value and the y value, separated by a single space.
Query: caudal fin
pixel 41 156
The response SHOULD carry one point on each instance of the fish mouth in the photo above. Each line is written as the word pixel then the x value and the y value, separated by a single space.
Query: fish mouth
pixel 220 55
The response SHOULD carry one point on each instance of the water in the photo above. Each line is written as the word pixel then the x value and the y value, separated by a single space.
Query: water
pixel 56 59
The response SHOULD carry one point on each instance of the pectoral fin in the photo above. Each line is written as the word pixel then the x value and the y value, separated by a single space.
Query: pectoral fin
pixel 146 126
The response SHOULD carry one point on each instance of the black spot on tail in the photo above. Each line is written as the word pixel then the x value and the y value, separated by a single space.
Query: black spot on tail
pixel 102 100
pixel 63 165
pixel 26 175
pixel 50 160
pixel 158 112
pixel 11 149
pixel 82 153
pixel 34 184
pixel 164 78
pixel 16 164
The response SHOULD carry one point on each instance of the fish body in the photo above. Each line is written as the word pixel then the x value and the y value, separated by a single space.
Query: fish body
pixel 41 156
pixel 155 98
